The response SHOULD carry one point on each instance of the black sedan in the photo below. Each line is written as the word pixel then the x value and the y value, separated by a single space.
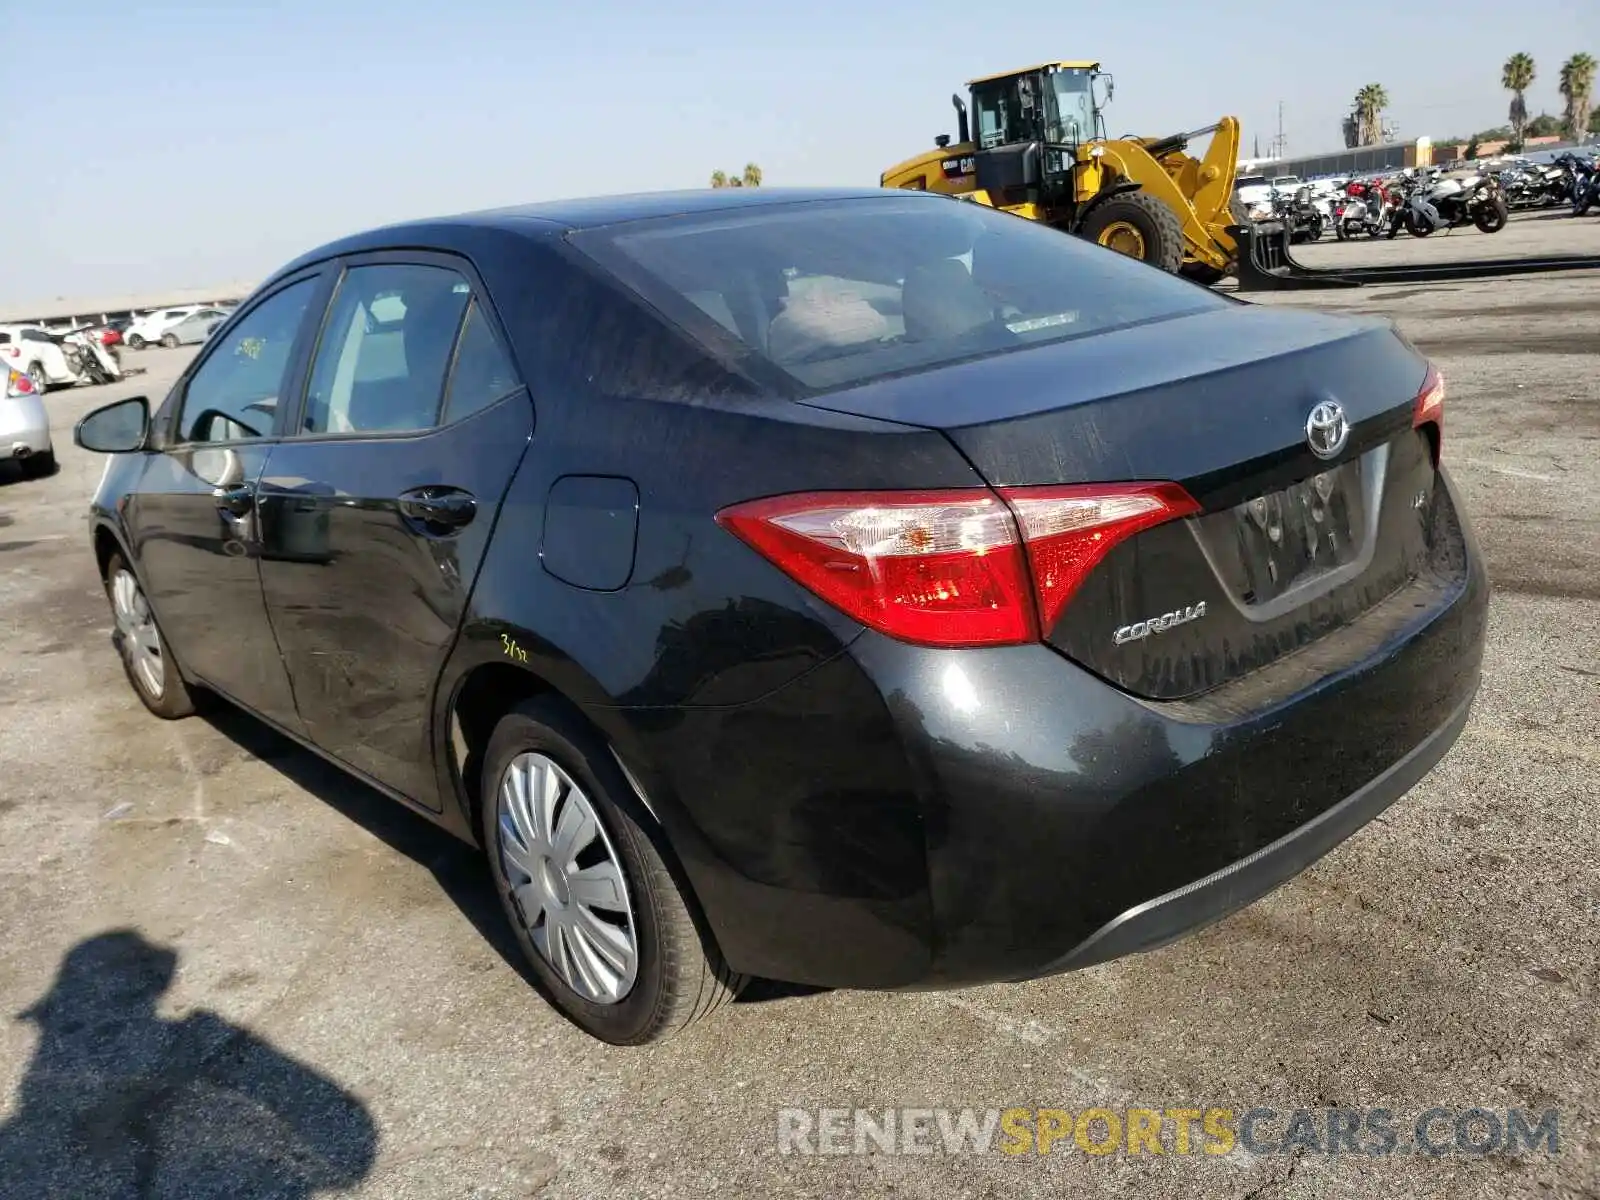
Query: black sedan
pixel 862 589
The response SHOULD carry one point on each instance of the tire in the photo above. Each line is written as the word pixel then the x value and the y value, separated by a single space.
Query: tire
pixel 136 341
pixel 1341 231
pixel 1202 273
pixel 39 466
pixel 169 340
pixel 169 698
pixel 41 381
pixel 1160 235
pixel 678 975
pixel 1492 216
pixel 1581 200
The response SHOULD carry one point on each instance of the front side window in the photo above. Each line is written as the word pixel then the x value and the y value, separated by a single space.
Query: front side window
pixel 844 292
pixel 1073 119
pixel 380 367
pixel 233 394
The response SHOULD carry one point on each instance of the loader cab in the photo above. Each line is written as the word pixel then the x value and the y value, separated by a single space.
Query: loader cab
pixel 1027 126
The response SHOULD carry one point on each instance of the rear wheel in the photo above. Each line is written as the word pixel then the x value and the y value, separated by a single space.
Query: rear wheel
pixel 136 341
pixel 1138 225
pixel 41 381
pixel 169 340
pixel 37 466
pixel 149 666
pixel 1491 216
pixel 594 906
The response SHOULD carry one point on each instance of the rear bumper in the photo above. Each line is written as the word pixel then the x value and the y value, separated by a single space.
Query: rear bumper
pixel 24 427
pixel 1181 911
pixel 901 817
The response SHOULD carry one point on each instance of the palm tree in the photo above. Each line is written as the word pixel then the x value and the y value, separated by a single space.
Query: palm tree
pixel 1577 88
pixel 752 173
pixel 1517 77
pixel 1370 103
pixel 719 179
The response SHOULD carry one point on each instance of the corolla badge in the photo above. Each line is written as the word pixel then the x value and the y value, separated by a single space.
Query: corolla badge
pixel 1166 621
pixel 1327 429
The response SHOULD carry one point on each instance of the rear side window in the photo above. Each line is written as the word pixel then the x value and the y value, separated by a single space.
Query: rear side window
pixel 482 373
pixel 843 292
pixel 380 367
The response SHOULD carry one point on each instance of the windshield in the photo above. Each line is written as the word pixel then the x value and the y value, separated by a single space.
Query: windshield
pixel 841 292
pixel 1073 120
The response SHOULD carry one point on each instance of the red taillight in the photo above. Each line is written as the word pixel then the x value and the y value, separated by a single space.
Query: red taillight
pixel 950 568
pixel 18 384
pixel 1429 409
pixel 1068 530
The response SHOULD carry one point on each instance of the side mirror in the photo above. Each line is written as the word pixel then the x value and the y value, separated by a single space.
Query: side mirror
pixel 119 428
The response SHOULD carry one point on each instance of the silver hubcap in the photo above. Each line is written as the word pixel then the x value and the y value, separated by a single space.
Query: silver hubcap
pixel 141 644
pixel 566 880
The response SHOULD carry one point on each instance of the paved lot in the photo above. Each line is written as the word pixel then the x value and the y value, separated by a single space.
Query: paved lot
pixel 322 980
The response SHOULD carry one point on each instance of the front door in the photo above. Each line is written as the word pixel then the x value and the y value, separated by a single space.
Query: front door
pixel 377 510
pixel 194 522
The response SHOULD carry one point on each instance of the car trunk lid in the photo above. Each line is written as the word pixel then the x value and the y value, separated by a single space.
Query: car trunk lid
pixel 1288 546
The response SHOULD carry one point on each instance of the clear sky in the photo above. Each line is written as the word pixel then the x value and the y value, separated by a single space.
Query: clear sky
pixel 151 144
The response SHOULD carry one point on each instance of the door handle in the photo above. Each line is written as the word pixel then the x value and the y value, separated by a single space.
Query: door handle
pixel 439 510
pixel 235 500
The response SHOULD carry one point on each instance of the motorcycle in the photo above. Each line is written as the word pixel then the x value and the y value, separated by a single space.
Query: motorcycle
pixel 88 359
pixel 1429 204
pixel 1359 211
pixel 1300 214
pixel 1585 183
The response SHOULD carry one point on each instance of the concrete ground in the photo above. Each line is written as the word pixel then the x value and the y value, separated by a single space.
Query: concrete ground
pixel 229 970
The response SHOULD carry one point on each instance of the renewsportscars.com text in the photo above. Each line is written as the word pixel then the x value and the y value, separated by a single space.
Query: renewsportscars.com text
pixel 1211 1130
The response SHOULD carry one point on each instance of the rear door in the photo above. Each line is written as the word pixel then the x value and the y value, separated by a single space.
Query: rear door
pixel 193 517
pixel 376 512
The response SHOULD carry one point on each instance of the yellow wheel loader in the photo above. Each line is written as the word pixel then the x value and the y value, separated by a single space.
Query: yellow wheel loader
pixel 1037 146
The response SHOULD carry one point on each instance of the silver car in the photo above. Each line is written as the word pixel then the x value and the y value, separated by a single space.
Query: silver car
pixel 24 425
pixel 196 327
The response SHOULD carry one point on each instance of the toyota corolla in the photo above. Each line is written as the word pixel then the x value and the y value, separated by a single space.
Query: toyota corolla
pixel 857 589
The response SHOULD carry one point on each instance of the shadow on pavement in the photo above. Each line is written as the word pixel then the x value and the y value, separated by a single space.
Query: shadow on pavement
pixel 121 1102
pixel 458 868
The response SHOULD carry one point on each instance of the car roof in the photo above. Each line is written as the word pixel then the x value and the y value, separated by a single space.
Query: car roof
pixel 555 217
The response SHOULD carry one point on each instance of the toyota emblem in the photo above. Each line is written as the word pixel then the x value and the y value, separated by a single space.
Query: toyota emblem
pixel 1327 430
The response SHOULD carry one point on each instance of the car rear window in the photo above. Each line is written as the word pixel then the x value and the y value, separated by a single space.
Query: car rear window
pixel 838 293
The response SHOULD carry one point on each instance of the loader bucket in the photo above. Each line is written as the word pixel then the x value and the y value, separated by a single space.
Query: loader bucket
pixel 1266 265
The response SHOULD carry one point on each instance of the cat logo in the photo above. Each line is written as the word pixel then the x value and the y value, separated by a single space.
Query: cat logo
pixel 955 167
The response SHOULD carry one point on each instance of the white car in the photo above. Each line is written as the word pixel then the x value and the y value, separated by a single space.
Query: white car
pixel 1255 196
pixel 24 424
pixel 148 329
pixel 196 327
pixel 35 353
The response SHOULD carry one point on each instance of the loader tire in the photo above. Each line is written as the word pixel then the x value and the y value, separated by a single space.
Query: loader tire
pixel 1202 273
pixel 1138 225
